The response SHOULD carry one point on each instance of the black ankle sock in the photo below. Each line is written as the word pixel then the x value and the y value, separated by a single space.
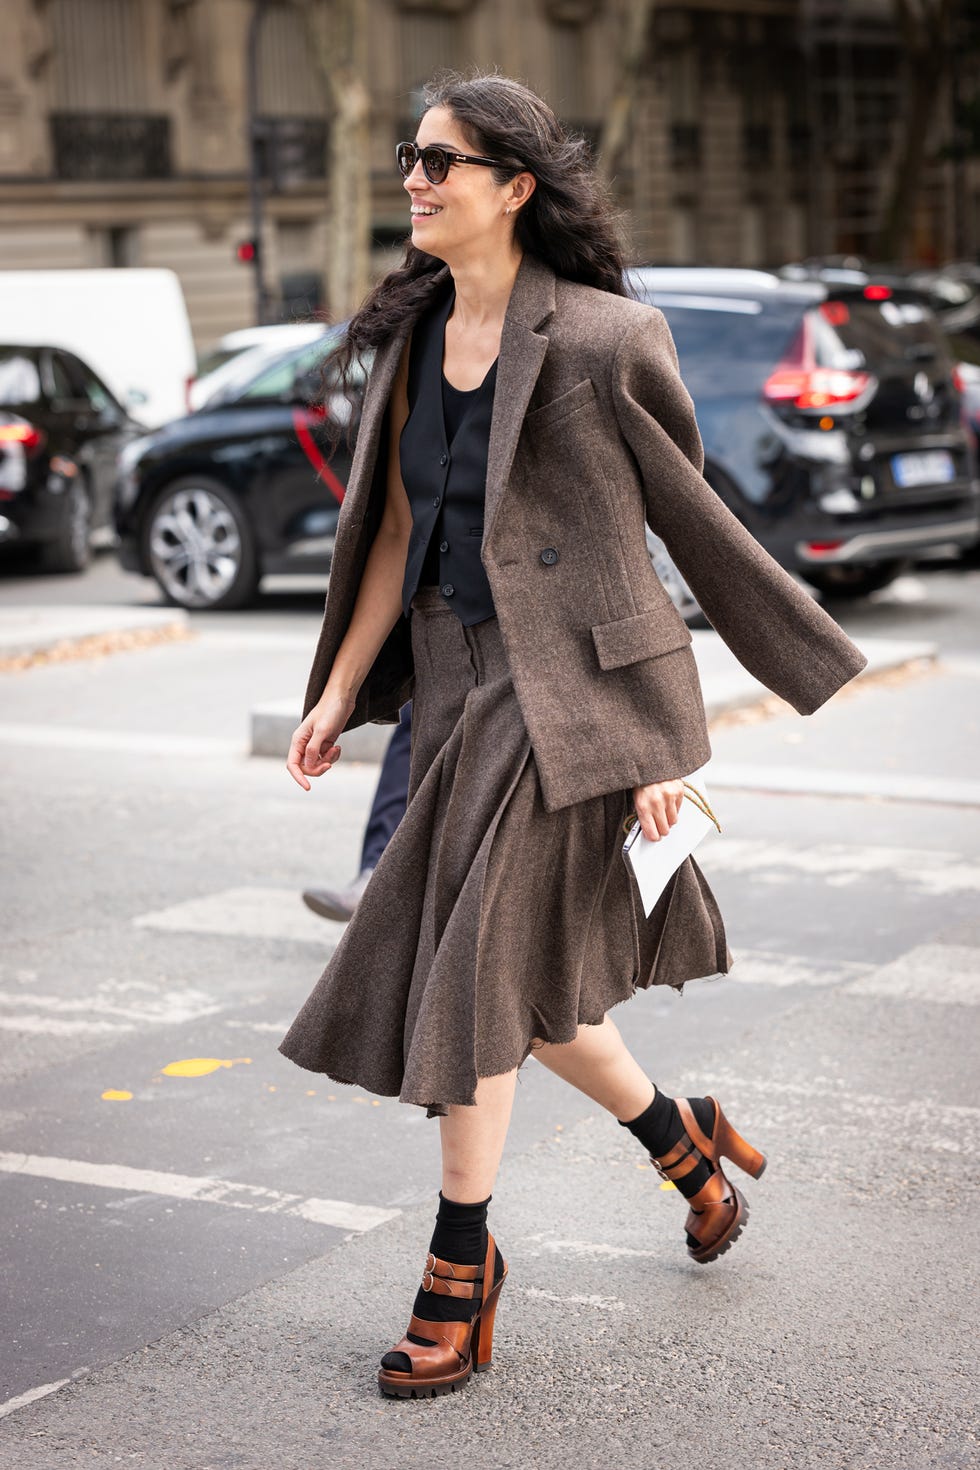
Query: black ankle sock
pixel 660 1126
pixel 460 1236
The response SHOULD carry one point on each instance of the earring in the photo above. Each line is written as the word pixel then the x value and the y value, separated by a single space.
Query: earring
pixel 507 210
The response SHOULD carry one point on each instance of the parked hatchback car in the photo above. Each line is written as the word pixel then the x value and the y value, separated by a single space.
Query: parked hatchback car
pixel 61 431
pixel 830 416
pixel 212 502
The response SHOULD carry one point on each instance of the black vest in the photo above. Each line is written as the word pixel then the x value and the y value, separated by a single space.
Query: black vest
pixel 446 481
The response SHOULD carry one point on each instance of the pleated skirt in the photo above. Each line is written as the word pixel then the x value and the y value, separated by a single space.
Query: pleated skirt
pixel 489 924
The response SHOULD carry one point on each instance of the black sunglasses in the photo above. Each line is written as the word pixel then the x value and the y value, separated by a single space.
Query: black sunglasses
pixel 436 161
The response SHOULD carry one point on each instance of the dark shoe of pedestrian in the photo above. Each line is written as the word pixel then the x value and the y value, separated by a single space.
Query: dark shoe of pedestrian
pixel 337 903
pixel 453 1351
pixel 717 1213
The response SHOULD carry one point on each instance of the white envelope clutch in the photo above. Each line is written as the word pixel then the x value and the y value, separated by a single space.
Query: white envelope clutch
pixel 654 863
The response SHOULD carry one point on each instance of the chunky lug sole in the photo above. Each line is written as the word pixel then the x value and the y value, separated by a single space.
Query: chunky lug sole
pixel 719 1198
pixel 473 1342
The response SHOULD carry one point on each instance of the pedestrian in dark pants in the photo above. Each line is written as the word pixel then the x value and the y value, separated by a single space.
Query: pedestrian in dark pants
pixel 387 810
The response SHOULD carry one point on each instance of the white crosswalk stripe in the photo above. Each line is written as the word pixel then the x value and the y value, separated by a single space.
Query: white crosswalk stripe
pixel 945 974
pixel 114 1006
pixel 247 913
pixel 341 1214
pixel 839 865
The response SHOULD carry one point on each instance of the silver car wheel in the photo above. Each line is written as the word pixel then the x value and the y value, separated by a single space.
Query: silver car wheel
pixel 677 589
pixel 195 547
pixel 79 523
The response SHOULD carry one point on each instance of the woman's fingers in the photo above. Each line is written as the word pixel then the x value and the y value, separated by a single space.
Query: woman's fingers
pixel 311 752
pixel 658 807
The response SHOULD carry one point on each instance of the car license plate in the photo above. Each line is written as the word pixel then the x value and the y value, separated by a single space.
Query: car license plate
pixel 928 467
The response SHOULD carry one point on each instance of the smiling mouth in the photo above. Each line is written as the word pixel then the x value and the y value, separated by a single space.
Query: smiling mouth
pixel 425 212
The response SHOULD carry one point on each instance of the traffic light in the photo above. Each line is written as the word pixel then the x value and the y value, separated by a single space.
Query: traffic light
pixel 247 252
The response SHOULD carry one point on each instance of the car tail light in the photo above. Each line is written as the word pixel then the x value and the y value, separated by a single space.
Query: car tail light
pixel 965 375
pixel 26 435
pixel 798 382
pixel 818 547
pixel 877 293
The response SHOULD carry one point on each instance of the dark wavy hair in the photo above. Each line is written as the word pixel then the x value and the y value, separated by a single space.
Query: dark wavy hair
pixel 569 221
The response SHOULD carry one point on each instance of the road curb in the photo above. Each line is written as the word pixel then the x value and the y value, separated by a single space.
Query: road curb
pixel 726 685
pixel 29 634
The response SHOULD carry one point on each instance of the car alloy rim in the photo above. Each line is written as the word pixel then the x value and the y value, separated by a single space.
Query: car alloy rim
pixel 79 519
pixel 676 588
pixel 195 547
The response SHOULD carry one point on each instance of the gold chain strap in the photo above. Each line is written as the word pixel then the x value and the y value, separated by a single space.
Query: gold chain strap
pixel 700 801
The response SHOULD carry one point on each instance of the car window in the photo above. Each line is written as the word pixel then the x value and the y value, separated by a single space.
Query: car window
pixel 64 384
pixel 211 361
pixel 20 381
pixel 728 346
pixel 86 385
pixel 296 371
pixel 855 334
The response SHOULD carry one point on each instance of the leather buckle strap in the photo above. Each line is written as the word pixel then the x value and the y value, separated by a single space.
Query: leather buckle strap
pixel 444 1286
pixel 673 1168
pixel 446 1278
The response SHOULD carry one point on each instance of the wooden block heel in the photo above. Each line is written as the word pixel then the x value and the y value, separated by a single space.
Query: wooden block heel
pixel 732 1145
pixel 483 1329
pixel 458 1349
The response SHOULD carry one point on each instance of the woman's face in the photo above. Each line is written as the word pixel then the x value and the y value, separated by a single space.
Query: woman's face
pixel 470 206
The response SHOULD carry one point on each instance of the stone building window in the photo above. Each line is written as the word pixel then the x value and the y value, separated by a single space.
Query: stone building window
pixel 100 92
pixel 429 41
pixel 683 107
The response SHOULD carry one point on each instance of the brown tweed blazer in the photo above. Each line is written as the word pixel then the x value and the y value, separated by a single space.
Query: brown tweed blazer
pixel 593 431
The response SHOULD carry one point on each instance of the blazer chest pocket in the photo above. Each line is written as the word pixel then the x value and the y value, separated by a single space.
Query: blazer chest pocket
pixel 562 406
pixel 645 635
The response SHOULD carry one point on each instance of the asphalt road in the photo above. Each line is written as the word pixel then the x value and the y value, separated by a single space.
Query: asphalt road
pixel 206 1250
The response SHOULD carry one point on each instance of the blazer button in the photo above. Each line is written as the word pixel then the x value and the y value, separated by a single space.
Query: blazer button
pixel 444 459
pixel 443 545
pixel 549 556
pixel 447 589
pixel 435 500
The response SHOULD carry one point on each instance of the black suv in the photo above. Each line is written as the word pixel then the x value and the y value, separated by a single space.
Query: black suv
pixel 830 415
pixel 61 430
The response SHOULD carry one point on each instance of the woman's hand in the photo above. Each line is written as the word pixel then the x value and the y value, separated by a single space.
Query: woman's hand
pixel 314 749
pixel 658 806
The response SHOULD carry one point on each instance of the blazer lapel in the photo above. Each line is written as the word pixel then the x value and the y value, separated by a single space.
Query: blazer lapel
pixel 522 352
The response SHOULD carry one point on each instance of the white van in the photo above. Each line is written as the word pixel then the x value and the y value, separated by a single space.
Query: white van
pixel 130 326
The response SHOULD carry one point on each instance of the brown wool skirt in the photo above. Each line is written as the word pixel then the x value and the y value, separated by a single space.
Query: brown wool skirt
pixel 489 922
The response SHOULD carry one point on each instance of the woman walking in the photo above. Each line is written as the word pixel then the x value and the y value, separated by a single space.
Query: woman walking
pixel 522 418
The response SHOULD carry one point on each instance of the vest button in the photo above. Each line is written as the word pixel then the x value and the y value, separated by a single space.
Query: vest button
pixel 443 545
pixel 549 556
pixel 435 500
pixel 447 589
pixel 444 459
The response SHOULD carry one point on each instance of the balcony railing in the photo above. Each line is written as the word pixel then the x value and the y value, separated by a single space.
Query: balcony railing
pixel 685 145
pixel 293 150
pixel 757 144
pixel 110 145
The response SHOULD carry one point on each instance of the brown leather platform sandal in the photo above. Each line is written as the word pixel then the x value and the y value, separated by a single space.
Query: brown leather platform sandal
pixel 460 1347
pixel 718 1213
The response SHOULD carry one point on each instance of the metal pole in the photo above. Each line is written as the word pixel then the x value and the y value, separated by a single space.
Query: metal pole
pixel 254 158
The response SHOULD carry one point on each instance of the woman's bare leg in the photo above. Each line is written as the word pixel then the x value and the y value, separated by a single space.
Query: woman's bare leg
pixel 473 1137
pixel 599 1064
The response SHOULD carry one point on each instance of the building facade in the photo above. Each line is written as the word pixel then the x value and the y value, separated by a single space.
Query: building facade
pixel 762 131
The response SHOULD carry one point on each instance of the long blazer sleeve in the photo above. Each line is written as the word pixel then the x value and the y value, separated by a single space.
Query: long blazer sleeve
pixel 774 627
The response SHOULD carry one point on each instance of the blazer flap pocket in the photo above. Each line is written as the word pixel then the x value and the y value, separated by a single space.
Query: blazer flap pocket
pixel 646 635
pixel 565 403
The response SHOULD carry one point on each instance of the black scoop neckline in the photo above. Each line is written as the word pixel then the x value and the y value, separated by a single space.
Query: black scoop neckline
pixel 468 392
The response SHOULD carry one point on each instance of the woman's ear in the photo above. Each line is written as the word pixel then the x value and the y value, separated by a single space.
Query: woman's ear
pixel 521 189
